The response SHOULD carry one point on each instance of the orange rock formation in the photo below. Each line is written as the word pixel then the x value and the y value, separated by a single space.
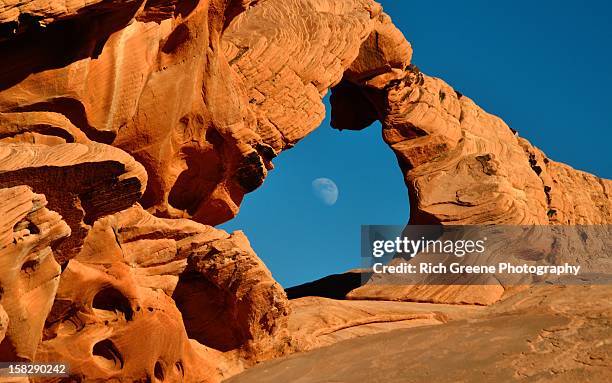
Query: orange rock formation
pixel 128 126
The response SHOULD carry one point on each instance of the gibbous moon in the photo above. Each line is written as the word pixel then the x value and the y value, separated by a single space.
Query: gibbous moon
pixel 326 190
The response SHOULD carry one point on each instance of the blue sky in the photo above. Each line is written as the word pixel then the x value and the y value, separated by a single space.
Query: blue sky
pixel 544 67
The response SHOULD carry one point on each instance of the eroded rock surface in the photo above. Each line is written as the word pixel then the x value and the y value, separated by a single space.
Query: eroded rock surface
pixel 230 301
pixel 29 274
pixel 202 93
pixel 288 66
pixel 110 297
pixel 132 117
pixel 137 275
pixel 81 181
pixel 461 165
pixel 317 322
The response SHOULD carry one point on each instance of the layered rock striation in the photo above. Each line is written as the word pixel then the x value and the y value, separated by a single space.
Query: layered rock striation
pixel 29 274
pixel 127 127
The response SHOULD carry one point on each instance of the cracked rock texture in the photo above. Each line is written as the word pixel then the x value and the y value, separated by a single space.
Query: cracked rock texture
pixel 129 126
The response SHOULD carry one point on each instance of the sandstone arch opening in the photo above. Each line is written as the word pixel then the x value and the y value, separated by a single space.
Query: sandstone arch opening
pixel 283 216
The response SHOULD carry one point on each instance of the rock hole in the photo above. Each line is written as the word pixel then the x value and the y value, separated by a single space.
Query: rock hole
pixel 30 266
pixel 111 299
pixel 106 354
pixel 158 371
pixel 33 228
pixel 179 368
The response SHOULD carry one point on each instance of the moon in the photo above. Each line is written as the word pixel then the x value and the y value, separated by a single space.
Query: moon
pixel 325 190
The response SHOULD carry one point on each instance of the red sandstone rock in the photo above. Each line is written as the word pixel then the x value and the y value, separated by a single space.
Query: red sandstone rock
pixel 138 275
pixel 287 66
pixel 29 274
pixel 541 334
pixel 464 166
pixel 318 322
pixel 143 78
pixel 186 112
pixel 180 106
pixel 230 301
pixel 18 15
pixel 3 323
pixel 81 181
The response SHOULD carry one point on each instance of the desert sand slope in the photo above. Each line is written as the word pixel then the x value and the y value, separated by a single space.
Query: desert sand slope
pixel 542 334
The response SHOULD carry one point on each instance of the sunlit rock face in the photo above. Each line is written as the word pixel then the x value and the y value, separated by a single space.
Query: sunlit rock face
pixel 119 291
pixel 139 75
pixel 128 126
pixel 461 165
pixel 289 53
pixel 29 274
pixel 201 93
pixel 134 275
pixel 543 334
pixel 82 181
